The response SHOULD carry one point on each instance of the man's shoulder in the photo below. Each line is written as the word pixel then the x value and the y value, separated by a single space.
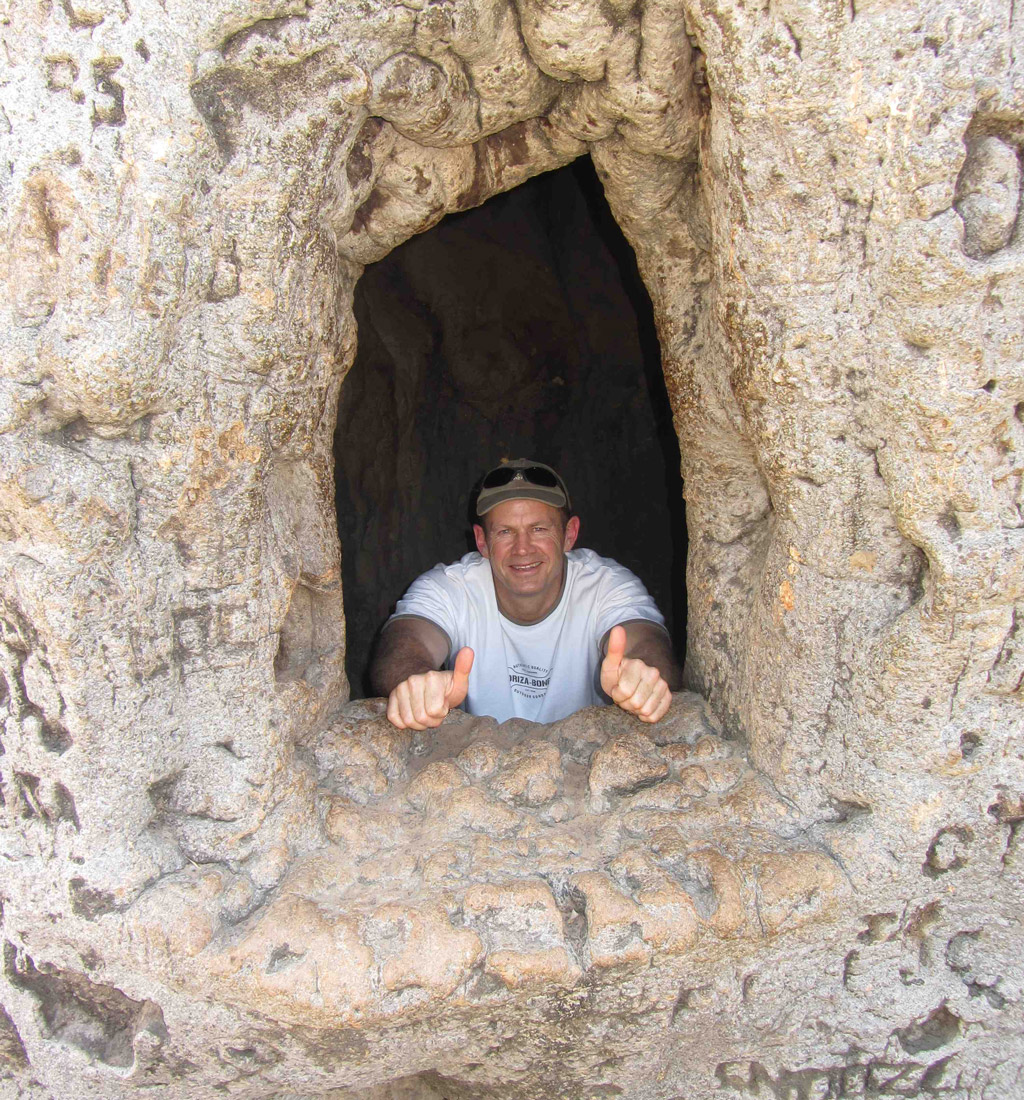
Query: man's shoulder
pixel 468 570
pixel 611 590
pixel 601 577
pixel 442 592
pixel 590 563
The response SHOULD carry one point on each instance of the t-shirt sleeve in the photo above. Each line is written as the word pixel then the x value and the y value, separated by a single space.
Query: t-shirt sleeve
pixel 623 599
pixel 433 596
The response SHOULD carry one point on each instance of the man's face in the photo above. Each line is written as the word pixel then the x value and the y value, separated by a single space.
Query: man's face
pixel 525 542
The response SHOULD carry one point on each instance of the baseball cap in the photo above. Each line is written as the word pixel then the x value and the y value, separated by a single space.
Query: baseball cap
pixel 521 479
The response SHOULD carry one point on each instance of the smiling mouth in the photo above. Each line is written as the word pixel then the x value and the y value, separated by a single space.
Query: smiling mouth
pixel 528 568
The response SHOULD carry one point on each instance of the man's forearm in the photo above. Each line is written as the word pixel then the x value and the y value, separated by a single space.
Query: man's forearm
pixel 401 652
pixel 653 646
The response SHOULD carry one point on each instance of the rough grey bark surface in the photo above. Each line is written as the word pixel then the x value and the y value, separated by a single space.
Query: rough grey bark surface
pixel 218 877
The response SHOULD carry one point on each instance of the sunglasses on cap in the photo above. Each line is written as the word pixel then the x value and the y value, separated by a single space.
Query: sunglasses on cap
pixel 512 479
pixel 535 475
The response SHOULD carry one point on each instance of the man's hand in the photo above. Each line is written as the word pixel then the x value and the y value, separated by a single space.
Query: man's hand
pixel 636 687
pixel 422 701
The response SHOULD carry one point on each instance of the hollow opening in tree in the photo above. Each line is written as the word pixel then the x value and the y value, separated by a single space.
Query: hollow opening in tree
pixel 520 328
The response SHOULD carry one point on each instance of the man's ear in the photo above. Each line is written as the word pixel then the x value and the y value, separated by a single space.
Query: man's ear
pixel 572 533
pixel 481 540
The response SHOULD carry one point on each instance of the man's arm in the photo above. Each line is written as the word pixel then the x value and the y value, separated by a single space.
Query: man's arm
pixel 406 669
pixel 650 643
pixel 639 671
pixel 406 647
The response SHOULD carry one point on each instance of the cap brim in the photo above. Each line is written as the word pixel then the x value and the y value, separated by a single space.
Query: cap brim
pixel 521 490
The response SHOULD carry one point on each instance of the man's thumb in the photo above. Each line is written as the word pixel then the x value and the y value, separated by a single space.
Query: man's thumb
pixel 460 677
pixel 616 649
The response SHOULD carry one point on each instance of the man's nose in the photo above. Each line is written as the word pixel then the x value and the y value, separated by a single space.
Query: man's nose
pixel 522 542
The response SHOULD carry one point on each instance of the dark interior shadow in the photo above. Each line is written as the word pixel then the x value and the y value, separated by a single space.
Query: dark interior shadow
pixel 519 328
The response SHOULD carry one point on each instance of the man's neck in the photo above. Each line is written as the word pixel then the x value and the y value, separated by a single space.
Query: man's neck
pixel 528 610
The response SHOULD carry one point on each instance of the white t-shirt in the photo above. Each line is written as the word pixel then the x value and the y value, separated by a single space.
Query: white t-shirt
pixel 543 671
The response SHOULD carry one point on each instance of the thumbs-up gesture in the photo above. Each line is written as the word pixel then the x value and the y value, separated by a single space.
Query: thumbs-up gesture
pixel 638 688
pixel 422 701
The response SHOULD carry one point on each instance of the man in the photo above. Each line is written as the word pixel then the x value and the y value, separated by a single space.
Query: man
pixel 535 626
